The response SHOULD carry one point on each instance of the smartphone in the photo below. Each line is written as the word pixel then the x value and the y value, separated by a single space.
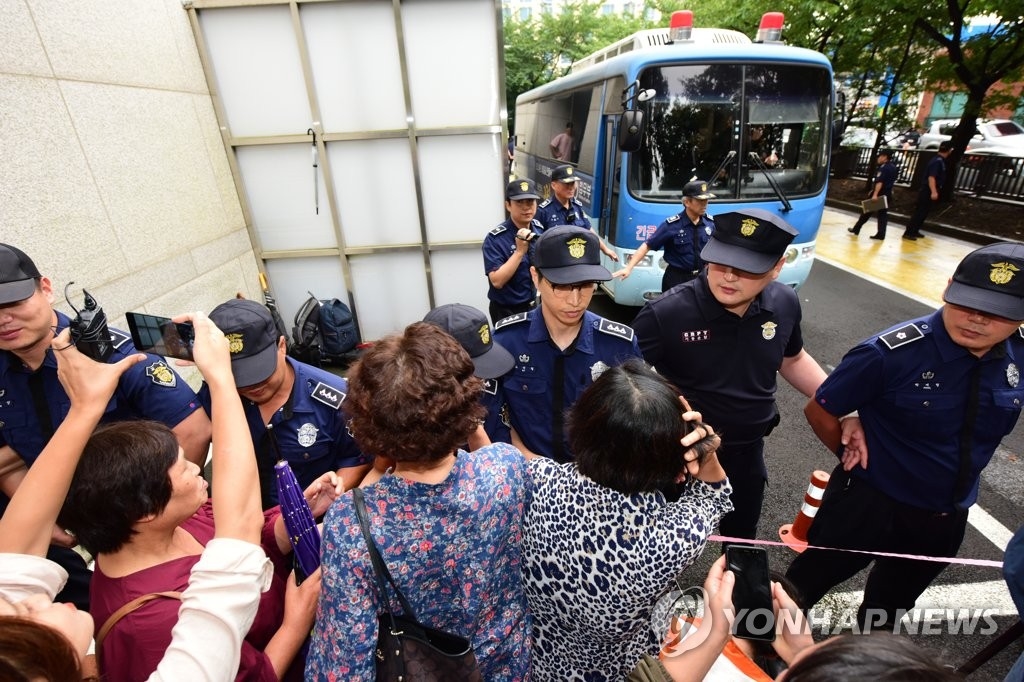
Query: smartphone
pixel 159 335
pixel 752 593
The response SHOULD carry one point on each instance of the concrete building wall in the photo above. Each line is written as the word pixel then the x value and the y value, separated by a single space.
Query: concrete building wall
pixel 112 170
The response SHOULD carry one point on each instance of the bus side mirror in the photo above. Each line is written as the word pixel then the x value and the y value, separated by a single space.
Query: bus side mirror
pixel 631 130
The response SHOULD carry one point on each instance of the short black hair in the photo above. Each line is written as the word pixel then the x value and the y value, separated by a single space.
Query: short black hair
pixel 882 657
pixel 121 478
pixel 625 429
pixel 945 146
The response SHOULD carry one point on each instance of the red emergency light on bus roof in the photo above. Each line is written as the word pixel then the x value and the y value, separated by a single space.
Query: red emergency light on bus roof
pixel 680 26
pixel 771 28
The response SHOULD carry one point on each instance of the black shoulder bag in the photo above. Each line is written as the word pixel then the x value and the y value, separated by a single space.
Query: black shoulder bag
pixel 407 650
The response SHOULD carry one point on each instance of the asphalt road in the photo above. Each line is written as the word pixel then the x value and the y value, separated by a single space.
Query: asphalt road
pixel 840 309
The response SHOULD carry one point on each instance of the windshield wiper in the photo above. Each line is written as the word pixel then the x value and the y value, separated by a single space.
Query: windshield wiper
pixel 726 162
pixel 786 206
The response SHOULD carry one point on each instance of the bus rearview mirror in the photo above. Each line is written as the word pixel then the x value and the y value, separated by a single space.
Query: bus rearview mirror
pixel 631 130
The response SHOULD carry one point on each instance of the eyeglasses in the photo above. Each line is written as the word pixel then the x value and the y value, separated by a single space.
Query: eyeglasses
pixel 563 290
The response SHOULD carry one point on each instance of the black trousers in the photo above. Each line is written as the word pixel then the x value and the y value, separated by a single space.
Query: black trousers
pixel 744 463
pixel 674 276
pixel 500 311
pixel 921 210
pixel 856 515
pixel 883 221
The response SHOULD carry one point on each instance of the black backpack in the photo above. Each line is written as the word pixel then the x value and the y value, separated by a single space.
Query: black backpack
pixel 324 332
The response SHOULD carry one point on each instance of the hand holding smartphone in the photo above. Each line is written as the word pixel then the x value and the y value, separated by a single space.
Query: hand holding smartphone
pixel 752 593
pixel 159 335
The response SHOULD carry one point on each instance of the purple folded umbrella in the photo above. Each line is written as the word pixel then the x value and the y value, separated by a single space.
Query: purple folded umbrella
pixel 298 519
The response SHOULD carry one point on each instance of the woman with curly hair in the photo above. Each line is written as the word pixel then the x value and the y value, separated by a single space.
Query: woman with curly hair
pixel 606 535
pixel 446 522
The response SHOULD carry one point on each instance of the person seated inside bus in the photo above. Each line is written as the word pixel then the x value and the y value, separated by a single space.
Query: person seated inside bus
pixel 759 141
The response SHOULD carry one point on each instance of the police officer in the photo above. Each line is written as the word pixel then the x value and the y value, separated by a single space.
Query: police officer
pixel 506 251
pixel 682 236
pixel 560 347
pixel 563 208
pixel 491 361
pixel 721 339
pixel 935 396
pixel 885 179
pixel 294 410
pixel 33 402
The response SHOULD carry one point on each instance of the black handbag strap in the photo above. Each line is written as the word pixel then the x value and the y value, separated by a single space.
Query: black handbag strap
pixel 380 569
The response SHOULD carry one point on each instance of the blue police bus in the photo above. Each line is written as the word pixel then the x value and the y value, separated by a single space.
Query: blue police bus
pixel 662 107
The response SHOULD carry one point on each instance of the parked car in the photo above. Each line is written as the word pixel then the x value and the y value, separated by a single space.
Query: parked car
pixel 996 134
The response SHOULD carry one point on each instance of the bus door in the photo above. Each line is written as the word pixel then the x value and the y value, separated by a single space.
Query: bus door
pixel 607 225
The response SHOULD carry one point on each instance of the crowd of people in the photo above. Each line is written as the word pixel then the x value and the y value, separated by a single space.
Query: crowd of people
pixel 533 483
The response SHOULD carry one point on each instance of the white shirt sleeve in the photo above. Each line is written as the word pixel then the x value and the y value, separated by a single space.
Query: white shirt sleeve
pixel 25 575
pixel 216 612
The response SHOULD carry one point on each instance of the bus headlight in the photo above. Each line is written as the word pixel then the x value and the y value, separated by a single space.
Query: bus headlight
pixel 645 262
pixel 791 255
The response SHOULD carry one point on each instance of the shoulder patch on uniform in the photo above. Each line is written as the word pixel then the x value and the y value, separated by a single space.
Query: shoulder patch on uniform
pixel 118 337
pixel 616 329
pixel 162 375
pixel 545 203
pixel 498 230
pixel 511 319
pixel 328 395
pixel 576 201
pixel 908 333
pixel 491 386
pixel 1020 330
pixel 709 217
pixel 672 219
pixel 537 223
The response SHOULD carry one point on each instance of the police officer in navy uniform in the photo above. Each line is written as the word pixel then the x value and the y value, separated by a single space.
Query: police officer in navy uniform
pixel 563 208
pixel 491 361
pixel 723 337
pixel 682 236
pixel 935 396
pixel 885 179
pixel 560 347
pixel 506 251
pixel 33 402
pixel 295 411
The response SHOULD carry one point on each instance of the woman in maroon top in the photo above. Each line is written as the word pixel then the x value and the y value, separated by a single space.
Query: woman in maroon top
pixel 142 510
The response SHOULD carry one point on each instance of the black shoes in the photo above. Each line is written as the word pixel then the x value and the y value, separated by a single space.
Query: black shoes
pixel 878 236
pixel 912 236
pixel 853 230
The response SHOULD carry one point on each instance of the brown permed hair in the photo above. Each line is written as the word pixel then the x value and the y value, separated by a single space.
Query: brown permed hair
pixel 413 397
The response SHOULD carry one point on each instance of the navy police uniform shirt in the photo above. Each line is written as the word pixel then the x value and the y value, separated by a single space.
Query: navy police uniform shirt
pixel 147 390
pixel 936 169
pixel 499 245
pixel 676 237
pixel 886 175
pixel 725 365
pixel 910 386
pixel 546 381
pixel 310 430
pixel 551 213
pixel 493 400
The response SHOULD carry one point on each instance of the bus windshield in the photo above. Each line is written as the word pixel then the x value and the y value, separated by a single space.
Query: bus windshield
pixel 754 131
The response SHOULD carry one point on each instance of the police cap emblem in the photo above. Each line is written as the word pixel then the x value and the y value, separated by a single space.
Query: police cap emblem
pixel 485 334
pixel 577 247
pixel 1002 272
pixel 235 344
pixel 748 226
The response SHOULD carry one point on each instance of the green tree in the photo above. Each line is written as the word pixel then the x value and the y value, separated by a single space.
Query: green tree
pixel 975 62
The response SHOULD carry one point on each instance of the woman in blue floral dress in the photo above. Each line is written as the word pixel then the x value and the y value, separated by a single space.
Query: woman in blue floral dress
pixel 448 523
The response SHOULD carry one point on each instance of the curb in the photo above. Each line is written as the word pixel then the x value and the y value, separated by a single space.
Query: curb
pixel 937 228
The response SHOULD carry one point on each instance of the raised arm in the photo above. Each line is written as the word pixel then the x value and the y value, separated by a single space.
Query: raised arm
pixel 238 513
pixel 26 526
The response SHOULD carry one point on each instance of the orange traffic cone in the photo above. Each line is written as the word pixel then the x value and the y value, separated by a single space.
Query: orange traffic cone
pixel 795 534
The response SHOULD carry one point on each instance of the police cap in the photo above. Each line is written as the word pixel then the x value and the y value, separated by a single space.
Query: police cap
pixel 568 254
pixel 990 279
pixel 752 240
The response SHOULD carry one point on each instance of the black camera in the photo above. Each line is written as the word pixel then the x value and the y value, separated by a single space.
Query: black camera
pixel 89 330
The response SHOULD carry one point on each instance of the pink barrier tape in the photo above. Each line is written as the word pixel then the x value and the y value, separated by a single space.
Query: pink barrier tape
pixel 917 557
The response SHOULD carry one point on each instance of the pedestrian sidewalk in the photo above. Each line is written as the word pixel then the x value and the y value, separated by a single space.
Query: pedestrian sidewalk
pixel 918 268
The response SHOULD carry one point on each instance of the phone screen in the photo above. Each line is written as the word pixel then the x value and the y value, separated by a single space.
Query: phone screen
pixel 752 593
pixel 159 335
